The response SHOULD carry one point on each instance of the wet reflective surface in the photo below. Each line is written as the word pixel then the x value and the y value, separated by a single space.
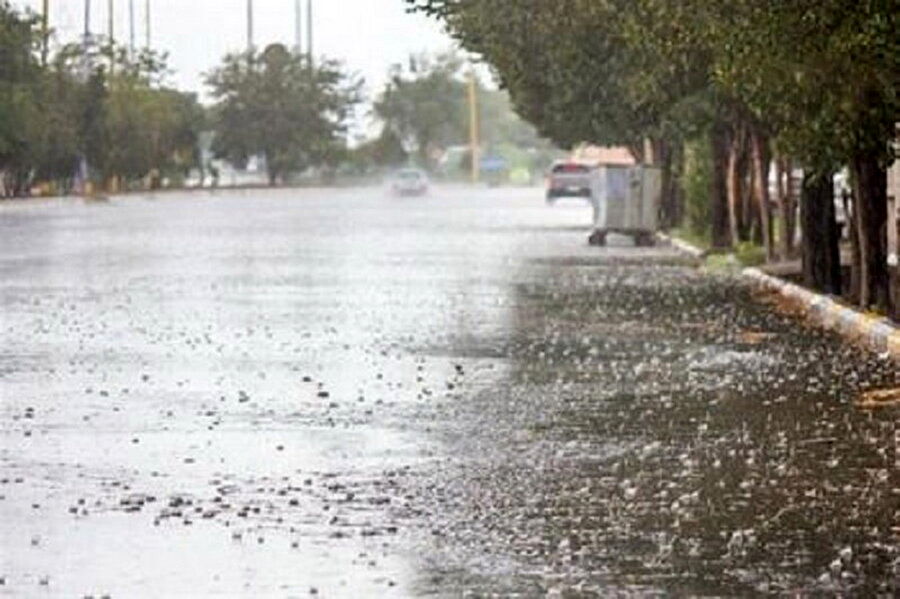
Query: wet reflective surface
pixel 339 393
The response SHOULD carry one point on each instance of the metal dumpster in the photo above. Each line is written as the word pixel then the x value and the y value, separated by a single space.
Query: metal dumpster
pixel 626 200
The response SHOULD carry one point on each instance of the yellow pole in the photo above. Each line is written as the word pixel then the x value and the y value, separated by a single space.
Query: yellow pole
pixel 473 127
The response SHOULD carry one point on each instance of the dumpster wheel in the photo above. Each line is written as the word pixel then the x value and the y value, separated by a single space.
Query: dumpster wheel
pixel 597 238
pixel 644 239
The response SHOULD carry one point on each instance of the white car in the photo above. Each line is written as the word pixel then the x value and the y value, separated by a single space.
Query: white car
pixel 409 182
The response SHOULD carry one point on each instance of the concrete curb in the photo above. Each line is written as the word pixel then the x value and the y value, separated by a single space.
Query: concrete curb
pixel 879 334
pixel 682 246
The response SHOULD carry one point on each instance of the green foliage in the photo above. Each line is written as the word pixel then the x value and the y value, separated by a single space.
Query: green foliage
pixel 58 140
pixel 19 81
pixel 822 76
pixel 697 181
pixel 817 78
pixel 424 105
pixel 133 127
pixel 151 130
pixel 581 70
pixel 500 125
pixel 721 263
pixel 92 101
pixel 386 150
pixel 94 136
pixel 276 104
pixel 750 254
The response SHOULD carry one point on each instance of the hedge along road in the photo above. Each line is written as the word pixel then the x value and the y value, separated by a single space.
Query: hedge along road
pixel 348 394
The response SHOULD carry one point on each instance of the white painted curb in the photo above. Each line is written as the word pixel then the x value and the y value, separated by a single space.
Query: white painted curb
pixel 878 333
pixel 681 246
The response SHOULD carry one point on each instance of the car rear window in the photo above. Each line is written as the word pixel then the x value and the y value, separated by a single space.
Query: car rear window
pixel 570 167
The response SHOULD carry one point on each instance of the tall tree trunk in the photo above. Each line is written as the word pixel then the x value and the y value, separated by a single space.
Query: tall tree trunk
pixel 820 250
pixel 677 168
pixel 636 149
pixel 870 186
pixel 662 158
pixel 792 202
pixel 735 187
pixel 752 218
pixel 893 227
pixel 785 210
pixel 778 198
pixel 202 168
pixel 718 193
pixel 760 165
pixel 852 294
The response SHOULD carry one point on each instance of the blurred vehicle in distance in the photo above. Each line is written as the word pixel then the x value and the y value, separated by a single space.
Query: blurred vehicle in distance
pixel 409 182
pixel 568 179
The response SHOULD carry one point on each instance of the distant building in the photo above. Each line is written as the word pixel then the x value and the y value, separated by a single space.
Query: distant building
pixel 604 155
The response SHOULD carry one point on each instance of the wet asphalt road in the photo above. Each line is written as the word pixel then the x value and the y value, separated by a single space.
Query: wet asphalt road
pixel 343 394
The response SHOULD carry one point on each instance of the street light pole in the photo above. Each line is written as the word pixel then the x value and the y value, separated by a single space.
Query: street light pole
pixel 111 29
pixel 147 22
pixel 298 27
pixel 111 22
pixel 131 26
pixel 309 31
pixel 87 20
pixel 249 25
pixel 474 133
pixel 45 32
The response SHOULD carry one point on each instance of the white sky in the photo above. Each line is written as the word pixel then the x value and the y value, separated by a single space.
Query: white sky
pixel 368 35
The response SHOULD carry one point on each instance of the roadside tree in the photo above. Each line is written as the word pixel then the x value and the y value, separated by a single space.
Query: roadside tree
pixel 277 105
pixel 423 105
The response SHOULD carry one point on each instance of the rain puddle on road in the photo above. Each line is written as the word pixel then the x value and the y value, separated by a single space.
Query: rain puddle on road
pixel 629 451
pixel 205 397
pixel 298 393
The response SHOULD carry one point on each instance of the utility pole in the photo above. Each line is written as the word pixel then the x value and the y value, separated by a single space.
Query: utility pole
pixel 110 25
pixel 45 32
pixel 473 127
pixel 298 27
pixel 147 22
pixel 309 31
pixel 111 30
pixel 87 20
pixel 131 26
pixel 249 25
